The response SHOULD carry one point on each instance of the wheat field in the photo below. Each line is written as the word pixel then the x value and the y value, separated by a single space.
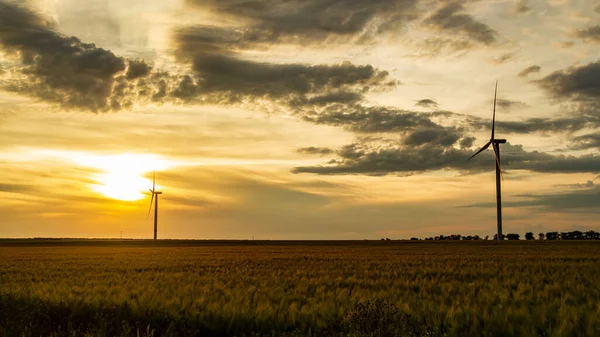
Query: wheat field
pixel 370 288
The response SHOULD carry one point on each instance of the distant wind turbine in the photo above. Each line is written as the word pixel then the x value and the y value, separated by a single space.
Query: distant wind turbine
pixel 154 193
pixel 496 146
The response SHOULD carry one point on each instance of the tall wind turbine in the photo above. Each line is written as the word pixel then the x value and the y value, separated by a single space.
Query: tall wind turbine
pixel 155 200
pixel 496 146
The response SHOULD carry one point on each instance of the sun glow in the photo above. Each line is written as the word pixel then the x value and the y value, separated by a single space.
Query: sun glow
pixel 122 175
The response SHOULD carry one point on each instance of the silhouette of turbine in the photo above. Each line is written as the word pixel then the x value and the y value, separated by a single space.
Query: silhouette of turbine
pixel 496 146
pixel 155 200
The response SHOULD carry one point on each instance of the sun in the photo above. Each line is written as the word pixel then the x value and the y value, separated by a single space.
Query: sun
pixel 121 176
pixel 121 185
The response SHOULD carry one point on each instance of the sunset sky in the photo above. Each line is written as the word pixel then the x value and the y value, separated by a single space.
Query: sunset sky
pixel 297 119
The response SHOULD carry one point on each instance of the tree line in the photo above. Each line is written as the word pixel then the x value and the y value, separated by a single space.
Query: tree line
pixel 574 235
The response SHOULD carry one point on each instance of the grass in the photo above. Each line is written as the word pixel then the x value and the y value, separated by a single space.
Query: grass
pixel 185 288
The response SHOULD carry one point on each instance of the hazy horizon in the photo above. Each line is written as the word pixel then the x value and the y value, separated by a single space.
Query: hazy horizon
pixel 297 120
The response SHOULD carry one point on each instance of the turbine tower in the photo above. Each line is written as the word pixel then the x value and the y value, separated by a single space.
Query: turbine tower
pixel 155 200
pixel 496 146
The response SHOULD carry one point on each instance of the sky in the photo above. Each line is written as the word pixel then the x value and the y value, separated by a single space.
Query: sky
pixel 297 119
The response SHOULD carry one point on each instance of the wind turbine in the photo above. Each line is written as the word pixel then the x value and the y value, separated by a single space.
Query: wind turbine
pixel 154 193
pixel 496 146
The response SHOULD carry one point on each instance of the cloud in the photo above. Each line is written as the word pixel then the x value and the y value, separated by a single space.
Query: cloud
pixel 16 188
pixel 315 150
pixel 521 7
pixel 442 46
pixel 65 70
pixel 427 103
pixel 225 76
pixel 583 200
pixel 381 119
pixel 590 34
pixel 504 58
pixel 438 136
pixel 577 83
pixel 365 159
pixel 406 160
pixel 588 141
pixel 529 70
pixel 313 21
pixel 542 125
pixel 359 118
pixel 451 19
pixel 467 142
pixel 508 104
pixel 588 184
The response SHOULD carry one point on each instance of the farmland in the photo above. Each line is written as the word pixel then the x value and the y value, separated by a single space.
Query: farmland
pixel 196 288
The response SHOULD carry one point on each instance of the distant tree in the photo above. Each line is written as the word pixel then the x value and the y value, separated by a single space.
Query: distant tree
pixel 487 237
pixel 414 239
pixel 529 236
pixel 590 235
pixel 476 237
pixel 496 237
pixel 382 239
pixel 513 236
pixel 387 239
pixel 576 235
pixel 564 236
pixel 552 236
pixel 542 236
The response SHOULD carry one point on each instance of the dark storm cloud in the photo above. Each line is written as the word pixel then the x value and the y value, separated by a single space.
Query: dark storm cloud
pixel 589 141
pixel 62 69
pixel 405 160
pixel 450 17
pixel 310 21
pixel 577 83
pixel 315 150
pixel 591 33
pixel 427 103
pixel 529 70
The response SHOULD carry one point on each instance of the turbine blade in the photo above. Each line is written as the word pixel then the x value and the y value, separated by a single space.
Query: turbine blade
pixel 498 161
pixel 150 209
pixel 494 115
pixel 482 149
